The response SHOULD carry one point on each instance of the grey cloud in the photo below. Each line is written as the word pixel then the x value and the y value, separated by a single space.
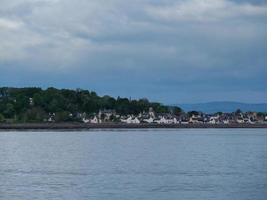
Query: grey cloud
pixel 206 11
pixel 154 44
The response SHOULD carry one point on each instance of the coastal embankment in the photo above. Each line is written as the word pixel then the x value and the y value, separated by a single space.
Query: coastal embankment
pixel 83 126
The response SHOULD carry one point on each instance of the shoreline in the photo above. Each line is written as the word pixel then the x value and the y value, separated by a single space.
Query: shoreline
pixel 81 126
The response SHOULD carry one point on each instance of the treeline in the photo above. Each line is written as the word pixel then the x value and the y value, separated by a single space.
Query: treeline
pixel 36 104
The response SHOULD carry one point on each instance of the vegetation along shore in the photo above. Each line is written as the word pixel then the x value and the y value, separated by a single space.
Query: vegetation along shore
pixel 51 108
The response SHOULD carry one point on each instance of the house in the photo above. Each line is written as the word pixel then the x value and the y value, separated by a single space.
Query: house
pixel 106 114
pixel 213 120
pixel 196 119
pixel 161 120
pixel 148 120
pixel 51 117
pixel 175 121
pixel 226 121
pixel 85 120
pixel 31 101
pixel 166 120
pixel 240 120
pixel 151 112
pixel 95 120
pixel 183 119
pixel 131 120
pixel 135 121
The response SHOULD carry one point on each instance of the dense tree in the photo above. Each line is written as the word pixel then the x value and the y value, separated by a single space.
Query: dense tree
pixel 191 113
pixel 177 111
pixel 261 114
pixel 2 118
pixel 63 116
pixel 35 114
pixel 35 104
pixel 238 111
pixel 9 110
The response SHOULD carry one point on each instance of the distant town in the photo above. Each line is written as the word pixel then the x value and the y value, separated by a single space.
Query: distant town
pixel 35 105
pixel 192 117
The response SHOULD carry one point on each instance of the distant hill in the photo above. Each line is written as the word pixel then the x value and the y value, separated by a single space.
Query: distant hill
pixel 212 107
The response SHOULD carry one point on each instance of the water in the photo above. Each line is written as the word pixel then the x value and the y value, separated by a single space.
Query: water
pixel 224 164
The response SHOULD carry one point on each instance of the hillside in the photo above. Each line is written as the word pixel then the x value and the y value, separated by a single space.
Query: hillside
pixel 213 107
pixel 36 104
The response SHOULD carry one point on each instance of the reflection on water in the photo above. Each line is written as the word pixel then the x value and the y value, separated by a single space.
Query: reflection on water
pixel 155 164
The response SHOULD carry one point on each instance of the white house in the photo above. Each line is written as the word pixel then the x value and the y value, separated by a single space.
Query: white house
pixel 31 101
pixel 196 119
pixel 86 120
pixel 240 120
pixel 184 122
pixel 136 121
pixel 149 120
pixel 105 115
pixel 151 113
pixel 226 121
pixel 213 120
pixel 95 120
pixel 131 120
pixel 164 120
pixel 161 120
pixel 51 117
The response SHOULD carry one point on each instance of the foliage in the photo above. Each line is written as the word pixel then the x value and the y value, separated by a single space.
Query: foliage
pixel 191 113
pixel 238 111
pixel 2 118
pixel 176 111
pixel 261 114
pixel 36 104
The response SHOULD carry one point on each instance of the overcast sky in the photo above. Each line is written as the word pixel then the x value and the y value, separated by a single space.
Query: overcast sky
pixel 173 51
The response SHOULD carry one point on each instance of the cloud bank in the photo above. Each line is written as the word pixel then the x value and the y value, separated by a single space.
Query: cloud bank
pixel 172 51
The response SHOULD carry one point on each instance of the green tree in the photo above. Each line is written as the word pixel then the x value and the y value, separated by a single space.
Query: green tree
pixel 238 112
pixel 9 111
pixel 260 114
pixel 36 114
pixel 15 104
pixel 2 118
pixel 62 116
pixel 177 111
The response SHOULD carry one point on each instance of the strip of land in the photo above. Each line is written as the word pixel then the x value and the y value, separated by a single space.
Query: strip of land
pixel 82 126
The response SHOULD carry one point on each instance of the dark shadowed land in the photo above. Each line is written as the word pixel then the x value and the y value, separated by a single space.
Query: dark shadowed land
pixel 51 108
pixel 82 126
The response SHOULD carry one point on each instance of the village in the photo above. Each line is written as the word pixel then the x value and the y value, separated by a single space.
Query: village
pixel 91 109
pixel 150 117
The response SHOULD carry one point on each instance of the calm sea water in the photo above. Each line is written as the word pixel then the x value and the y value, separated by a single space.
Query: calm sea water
pixel 224 164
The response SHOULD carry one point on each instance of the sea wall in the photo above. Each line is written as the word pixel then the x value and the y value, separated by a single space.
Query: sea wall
pixel 81 126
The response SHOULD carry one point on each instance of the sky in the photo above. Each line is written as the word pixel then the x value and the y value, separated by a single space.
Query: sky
pixel 171 51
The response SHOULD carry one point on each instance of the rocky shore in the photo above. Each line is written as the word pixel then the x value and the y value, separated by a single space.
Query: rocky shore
pixel 82 126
